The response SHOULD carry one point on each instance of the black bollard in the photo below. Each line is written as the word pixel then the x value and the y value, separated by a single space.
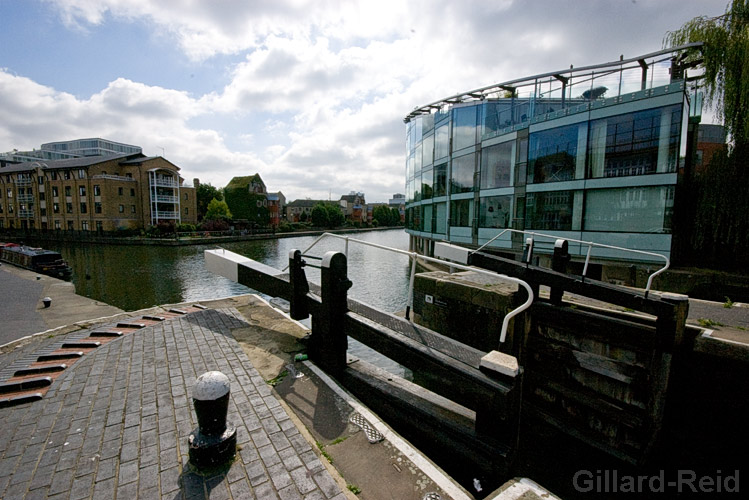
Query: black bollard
pixel 214 442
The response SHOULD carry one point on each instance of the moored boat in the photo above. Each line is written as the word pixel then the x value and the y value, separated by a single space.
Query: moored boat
pixel 35 259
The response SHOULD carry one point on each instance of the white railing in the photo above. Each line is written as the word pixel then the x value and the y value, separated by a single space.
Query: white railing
pixel 413 256
pixel 113 177
pixel 162 182
pixel 590 245
pixel 163 198
pixel 167 215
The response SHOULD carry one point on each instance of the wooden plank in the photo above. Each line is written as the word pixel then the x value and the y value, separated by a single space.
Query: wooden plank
pixel 437 372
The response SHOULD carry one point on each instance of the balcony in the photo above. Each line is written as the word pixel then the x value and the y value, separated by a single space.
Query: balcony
pixel 163 198
pixel 113 177
pixel 23 182
pixel 25 198
pixel 25 214
pixel 167 215
pixel 164 182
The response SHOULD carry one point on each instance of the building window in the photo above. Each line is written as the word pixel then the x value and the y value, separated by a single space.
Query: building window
pixel 645 142
pixel 427 181
pixel 464 127
pixel 440 180
pixel 67 191
pixel 70 225
pixel 461 177
pixel 186 211
pixel 97 190
pixel 496 164
pixel 119 191
pixel 83 207
pixel 66 175
pixel 1 208
pixel 10 208
pixel 550 210
pixel 55 192
pixel 10 193
pixel 122 209
pixel 633 209
pixel 99 226
pixel 42 197
pixel 552 154
pixel 97 207
pixel 43 212
pixel 54 178
pixel 441 142
pixel 129 175
pixel 69 208
pixel 81 173
pixel 460 213
pixel 495 212
pixel 2 223
pixel 56 208
pixel 132 209
pixel 81 190
pixel 57 224
pixel 40 180
pixel 84 225
pixel 185 196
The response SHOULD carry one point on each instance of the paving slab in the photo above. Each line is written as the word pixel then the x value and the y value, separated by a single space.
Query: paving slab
pixel 117 423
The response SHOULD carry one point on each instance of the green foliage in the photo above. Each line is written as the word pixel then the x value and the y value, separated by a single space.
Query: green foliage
pixel 186 228
pixel 353 489
pixel 707 323
pixel 327 215
pixel 716 204
pixel 728 304
pixel 303 217
pixel 204 194
pixel 381 213
pixel 214 225
pixel 725 58
pixel 246 205
pixel 324 453
pixel 218 209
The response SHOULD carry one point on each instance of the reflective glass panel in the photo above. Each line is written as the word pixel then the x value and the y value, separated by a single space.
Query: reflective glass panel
pixel 460 213
pixel 496 163
pixel 440 218
pixel 461 176
pixel 645 142
pixel 464 127
pixel 440 180
pixel 552 155
pixel 427 180
pixel 634 209
pixel 496 212
pixel 441 142
pixel 549 210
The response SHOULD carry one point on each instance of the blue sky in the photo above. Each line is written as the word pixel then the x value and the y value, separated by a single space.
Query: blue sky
pixel 310 94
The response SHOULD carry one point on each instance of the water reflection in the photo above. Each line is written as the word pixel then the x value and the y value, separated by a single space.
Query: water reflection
pixel 136 277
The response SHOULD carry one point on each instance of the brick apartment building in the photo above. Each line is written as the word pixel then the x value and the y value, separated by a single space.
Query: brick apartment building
pixel 94 193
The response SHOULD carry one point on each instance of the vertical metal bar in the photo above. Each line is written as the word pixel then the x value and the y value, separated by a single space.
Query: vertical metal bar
pixel 587 260
pixel 345 251
pixel 411 287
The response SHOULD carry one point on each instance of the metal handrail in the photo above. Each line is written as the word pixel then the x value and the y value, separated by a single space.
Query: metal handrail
pixel 590 244
pixel 415 256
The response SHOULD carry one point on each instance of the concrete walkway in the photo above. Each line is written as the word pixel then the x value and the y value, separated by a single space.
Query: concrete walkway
pixel 115 423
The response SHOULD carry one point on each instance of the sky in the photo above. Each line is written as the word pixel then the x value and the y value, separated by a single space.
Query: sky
pixel 310 94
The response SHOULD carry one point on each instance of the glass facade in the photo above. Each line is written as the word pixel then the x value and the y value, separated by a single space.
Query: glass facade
pixel 577 163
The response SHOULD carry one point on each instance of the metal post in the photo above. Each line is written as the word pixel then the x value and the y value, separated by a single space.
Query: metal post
pixel 299 286
pixel 411 287
pixel 559 264
pixel 328 342
pixel 214 442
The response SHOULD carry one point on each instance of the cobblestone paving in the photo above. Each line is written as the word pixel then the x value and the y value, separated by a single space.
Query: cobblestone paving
pixel 115 424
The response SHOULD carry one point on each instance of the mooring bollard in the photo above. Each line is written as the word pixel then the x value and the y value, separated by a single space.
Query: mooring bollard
pixel 214 442
pixel 47 301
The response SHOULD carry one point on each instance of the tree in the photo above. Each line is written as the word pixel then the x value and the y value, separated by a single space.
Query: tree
pixel 382 214
pixel 725 58
pixel 335 214
pixel 218 209
pixel 204 194
pixel 395 217
pixel 320 216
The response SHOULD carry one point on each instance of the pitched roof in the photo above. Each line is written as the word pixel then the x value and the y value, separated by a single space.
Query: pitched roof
pixel 85 161
pixel 244 181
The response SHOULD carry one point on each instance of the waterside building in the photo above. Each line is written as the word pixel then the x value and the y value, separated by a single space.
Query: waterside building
pixel 591 154
pixel 95 193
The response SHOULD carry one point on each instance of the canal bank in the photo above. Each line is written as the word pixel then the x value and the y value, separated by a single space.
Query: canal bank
pixel 130 390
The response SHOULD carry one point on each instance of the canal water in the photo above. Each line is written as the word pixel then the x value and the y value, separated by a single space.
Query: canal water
pixel 138 277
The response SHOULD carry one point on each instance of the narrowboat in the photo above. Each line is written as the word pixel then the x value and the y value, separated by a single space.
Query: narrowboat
pixel 35 259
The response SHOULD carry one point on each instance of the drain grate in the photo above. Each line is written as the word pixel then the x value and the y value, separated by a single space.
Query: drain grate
pixel 373 435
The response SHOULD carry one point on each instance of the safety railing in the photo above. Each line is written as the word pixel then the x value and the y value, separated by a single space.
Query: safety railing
pixel 413 257
pixel 590 245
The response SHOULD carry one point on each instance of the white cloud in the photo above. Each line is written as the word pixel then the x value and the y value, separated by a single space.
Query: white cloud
pixel 317 101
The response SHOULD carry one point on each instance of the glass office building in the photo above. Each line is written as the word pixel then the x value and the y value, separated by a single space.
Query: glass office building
pixel 592 154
